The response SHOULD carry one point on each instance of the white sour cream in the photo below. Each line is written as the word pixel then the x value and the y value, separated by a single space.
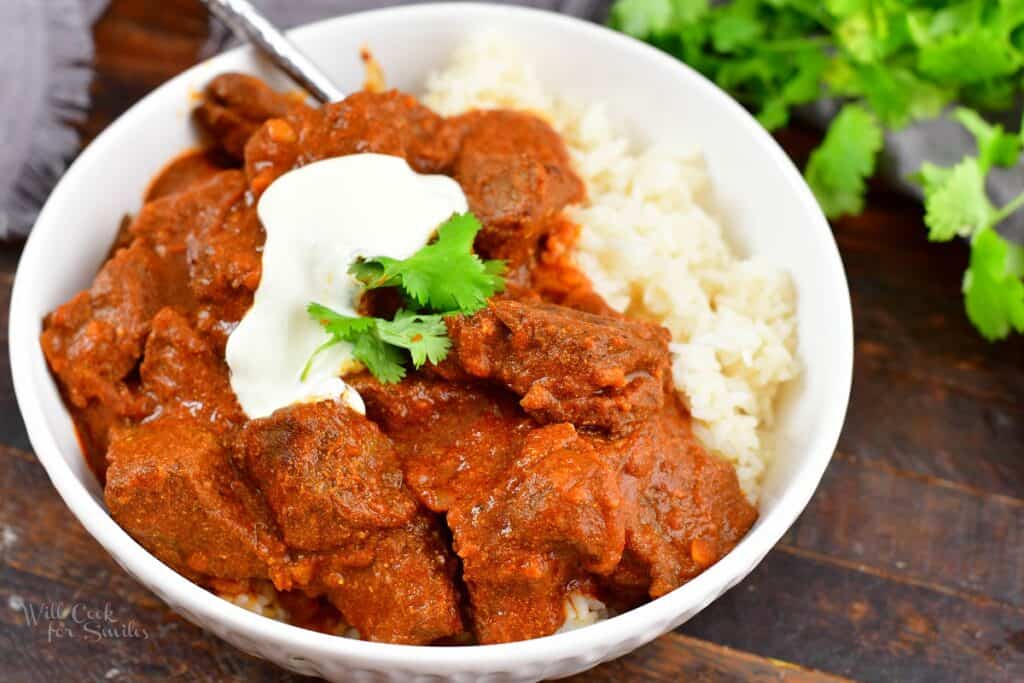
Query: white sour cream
pixel 318 219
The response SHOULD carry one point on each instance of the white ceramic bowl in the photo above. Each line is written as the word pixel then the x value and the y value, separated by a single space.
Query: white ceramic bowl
pixel 767 207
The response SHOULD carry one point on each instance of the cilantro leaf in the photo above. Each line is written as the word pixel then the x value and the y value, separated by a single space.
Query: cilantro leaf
pixel 494 267
pixel 774 113
pixel 897 96
pixel 370 272
pixel 955 202
pixel 931 176
pixel 425 336
pixel 384 361
pixel 641 18
pixel 688 12
pixel 443 276
pixel 993 289
pixel 380 358
pixel 837 170
pixel 926 25
pixel 378 344
pixel 995 94
pixel 866 31
pixel 995 146
pixel 736 26
pixel 800 87
pixel 343 326
pixel 970 56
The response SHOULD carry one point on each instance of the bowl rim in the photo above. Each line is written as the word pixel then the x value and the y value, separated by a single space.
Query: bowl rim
pixel 602 636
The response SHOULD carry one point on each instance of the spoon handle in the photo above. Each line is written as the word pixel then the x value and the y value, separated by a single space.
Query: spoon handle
pixel 246 22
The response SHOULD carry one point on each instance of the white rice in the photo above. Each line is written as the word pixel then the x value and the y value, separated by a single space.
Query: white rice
pixel 262 601
pixel 582 610
pixel 652 246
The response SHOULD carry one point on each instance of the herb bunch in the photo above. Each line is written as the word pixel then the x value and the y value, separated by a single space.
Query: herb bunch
pixel 444 278
pixel 890 63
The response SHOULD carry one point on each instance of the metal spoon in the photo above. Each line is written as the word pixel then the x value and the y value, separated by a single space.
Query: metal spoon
pixel 247 23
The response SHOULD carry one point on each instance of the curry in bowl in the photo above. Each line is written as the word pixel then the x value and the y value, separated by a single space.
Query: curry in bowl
pixel 363 367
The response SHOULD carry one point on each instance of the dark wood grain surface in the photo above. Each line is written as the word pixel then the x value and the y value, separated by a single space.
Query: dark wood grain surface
pixel 908 564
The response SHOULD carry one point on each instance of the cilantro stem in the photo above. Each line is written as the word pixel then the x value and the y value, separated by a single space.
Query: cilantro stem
pixel 309 363
pixel 1011 206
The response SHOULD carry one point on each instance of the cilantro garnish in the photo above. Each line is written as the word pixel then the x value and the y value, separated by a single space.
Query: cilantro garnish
pixel 442 279
pixel 378 343
pixel 442 276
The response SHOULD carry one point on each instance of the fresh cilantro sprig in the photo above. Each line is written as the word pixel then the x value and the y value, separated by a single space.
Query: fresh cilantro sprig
pixel 443 276
pixel 957 204
pixel 378 343
pixel 442 279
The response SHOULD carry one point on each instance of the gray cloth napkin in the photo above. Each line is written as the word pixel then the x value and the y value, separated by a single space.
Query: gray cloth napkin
pixel 45 67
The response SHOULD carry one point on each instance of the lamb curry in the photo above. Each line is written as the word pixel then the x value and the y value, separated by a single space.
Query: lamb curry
pixel 548 454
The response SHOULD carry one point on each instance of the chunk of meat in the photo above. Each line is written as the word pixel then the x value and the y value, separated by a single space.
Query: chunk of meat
pixel 452 438
pixel 684 507
pixel 171 485
pixel 525 542
pixel 185 377
pixel 234 105
pixel 328 474
pixel 568 366
pixel 93 423
pixel 167 224
pixel 224 260
pixel 186 171
pixel 564 493
pixel 384 123
pixel 333 481
pixel 95 340
pixel 407 594
pixel 516 173
pixel 525 600
pixel 215 233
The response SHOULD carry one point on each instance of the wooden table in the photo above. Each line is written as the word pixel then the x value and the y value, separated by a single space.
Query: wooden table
pixel 907 566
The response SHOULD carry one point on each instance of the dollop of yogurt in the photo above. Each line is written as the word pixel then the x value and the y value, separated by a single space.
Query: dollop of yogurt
pixel 318 219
